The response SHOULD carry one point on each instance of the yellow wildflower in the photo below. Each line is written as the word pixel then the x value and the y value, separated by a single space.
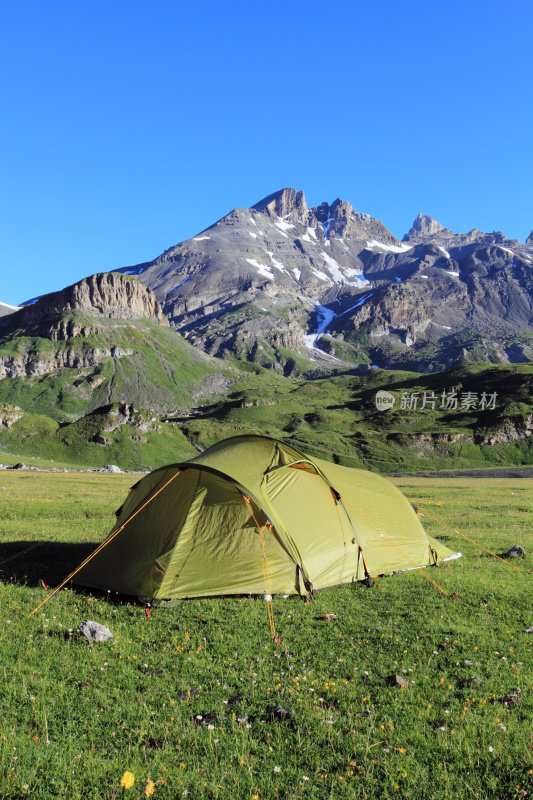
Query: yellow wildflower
pixel 149 789
pixel 127 780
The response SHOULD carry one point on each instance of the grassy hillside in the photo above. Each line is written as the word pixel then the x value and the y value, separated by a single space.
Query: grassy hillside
pixel 139 361
pixel 334 417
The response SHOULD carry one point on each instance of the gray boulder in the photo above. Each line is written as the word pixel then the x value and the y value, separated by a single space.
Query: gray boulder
pixel 94 632
pixel 516 551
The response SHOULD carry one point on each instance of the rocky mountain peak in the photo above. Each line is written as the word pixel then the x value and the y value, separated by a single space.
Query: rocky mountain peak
pixel 529 239
pixel 425 227
pixel 285 203
pixel 338 210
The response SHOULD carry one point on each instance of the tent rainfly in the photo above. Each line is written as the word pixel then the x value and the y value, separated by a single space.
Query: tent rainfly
pixel 212 526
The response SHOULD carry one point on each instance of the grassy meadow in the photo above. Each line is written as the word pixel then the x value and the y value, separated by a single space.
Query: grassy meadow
pixel 184 699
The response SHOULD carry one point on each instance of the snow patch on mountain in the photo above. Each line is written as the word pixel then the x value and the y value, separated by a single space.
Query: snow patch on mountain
pixel 359 303
pixel 179 284
pixel 131 271
pixel 276 263
pixel 263 270
pixel 392 248
pixel 321 275
pixel 354 277
pixel 282 225
pixel 334 267
pixel 343 274
pixel 323 318
pixel 327 225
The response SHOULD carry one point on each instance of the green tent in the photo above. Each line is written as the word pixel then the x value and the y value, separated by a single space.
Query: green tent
pixel 252 515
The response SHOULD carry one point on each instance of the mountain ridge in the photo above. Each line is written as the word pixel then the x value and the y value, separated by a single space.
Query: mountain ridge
pixel 253 284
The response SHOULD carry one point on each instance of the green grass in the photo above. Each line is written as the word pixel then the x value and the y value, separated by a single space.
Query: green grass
pixel 75 717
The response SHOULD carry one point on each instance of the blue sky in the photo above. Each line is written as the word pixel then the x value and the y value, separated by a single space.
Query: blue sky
pixel 130 126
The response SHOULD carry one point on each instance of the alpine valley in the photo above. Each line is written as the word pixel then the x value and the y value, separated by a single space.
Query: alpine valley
pixel 285 320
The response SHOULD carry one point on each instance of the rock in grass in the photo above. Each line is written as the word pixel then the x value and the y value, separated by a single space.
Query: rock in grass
pixel 398 680
pixel 528 630
pixel 94 632
pixel 509 700
pixel 279 713
pixel 516 551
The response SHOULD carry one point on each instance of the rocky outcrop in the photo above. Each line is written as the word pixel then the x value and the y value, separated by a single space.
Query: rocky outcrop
pixel 127 414
pixel 72 316
pixel 74 311
pixel 38 363
pixel 9 415
pixel 424 228
pixel 512 429
pixel 110 295
pixel 288 203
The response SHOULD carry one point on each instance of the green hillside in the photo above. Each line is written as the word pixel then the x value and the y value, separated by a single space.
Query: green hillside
pixel 334 417
pixel 139 360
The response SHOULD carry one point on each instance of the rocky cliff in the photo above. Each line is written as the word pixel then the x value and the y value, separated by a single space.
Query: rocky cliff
pixel 99 341
pixel 108 295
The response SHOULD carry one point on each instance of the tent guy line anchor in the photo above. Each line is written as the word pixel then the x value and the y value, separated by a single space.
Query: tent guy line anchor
pixel 454 530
